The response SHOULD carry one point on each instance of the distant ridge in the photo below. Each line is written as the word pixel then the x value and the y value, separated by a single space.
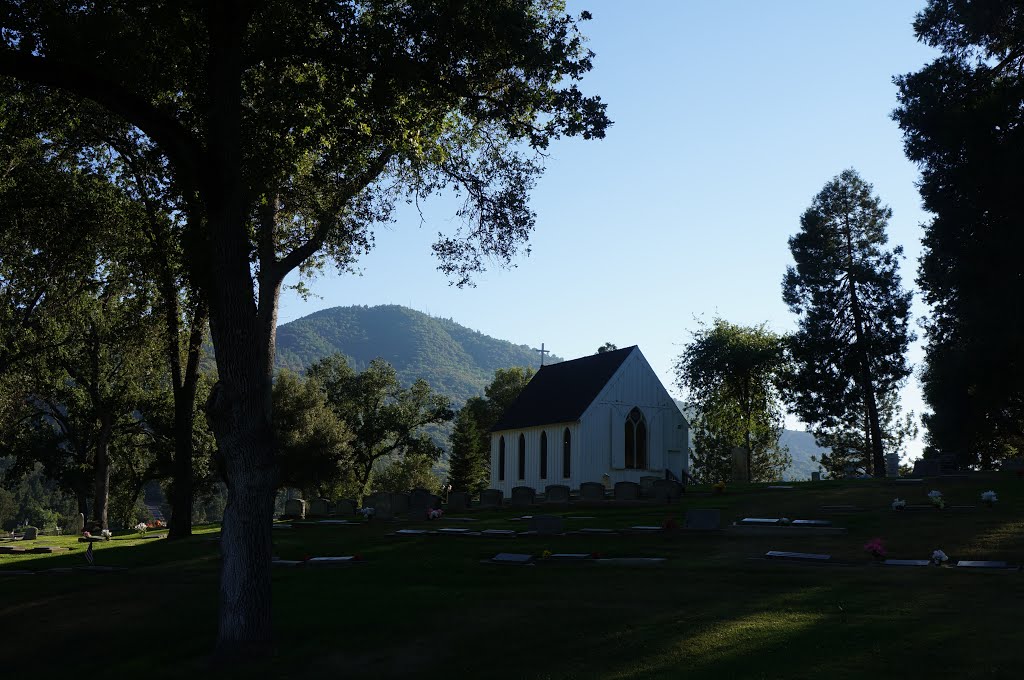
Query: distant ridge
pixel 455 360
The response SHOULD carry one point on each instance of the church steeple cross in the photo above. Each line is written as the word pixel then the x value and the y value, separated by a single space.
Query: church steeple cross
pixel 542 352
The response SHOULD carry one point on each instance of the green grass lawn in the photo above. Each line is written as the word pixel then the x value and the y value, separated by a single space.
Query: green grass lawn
pixel 425 606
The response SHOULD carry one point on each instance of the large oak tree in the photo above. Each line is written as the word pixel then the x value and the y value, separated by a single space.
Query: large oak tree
pixel 294 127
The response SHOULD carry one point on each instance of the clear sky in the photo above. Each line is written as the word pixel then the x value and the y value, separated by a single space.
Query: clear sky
pixel 729 116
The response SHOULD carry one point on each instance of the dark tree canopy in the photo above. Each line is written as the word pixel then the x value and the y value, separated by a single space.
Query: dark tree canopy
pixel 962 116
pixel 291 129
pixel 850 349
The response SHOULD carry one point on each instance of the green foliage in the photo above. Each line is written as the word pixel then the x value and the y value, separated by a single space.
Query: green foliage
pixel 606 347
pixel 963 124
pixel 850 349
pixel 469 458
pixel 399 474
pixel 455 360
pixel 314 443
pixel 8 508
pixel 731 374
pixel 385 419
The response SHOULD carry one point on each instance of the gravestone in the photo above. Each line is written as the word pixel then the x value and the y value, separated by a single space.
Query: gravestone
pixel 983 564
pixel 344 507
pixel 522 496
pixel 319 507
pixel 667 490
pixel 295 507
pixel 419 497
pixel 591 491
pixel 892 464
pixel 512 558
pixel 647 485
pixel 815 476
pixel 703 519
pixel 785 555
pixel 926 467
pixel 740 473
pixel 547 525
pixel 812 523
pixel 421 503
pixel 491 498
pixel 31 533
pixel 458 500
pixel 556 493
pixel 907 563
pixel 400 503
pixel 627 491
pixel 381 504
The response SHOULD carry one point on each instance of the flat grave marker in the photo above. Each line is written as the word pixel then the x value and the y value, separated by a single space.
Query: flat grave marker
pixel 497 532
pixel 703 519
pixel 411 532
pixel 760 521
pixel 631 561
pixel 812 523
pixel 781 487
pixel 512 558
pixel 786 555
pixel 983 564
pixel 907 563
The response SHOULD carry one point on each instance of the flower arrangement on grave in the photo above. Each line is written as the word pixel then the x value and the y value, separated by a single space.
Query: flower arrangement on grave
pixel 989 498
pixel 669 524
pixel 899 504
pixel 141 527
pixel 437 513
pixel 938 557
pixel 718 487
pixel 545 555
pixel 876 548
pixel 106 534
pixel 936 498
pixel 785 521
pixel 367 513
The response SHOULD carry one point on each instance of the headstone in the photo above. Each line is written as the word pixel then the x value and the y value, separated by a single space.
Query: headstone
pixel 344 507
pixel 926 467
pixel 982 564
pixel 784 555
pixel 947 463
pixel 597 530
pixel 781 487
pixel 491 498
pixel 421 502
pixel 453 530
pixel 295 507
pixel 667 490
pixel 319 507
pixel 627 491
pixel 815 476
pixel 892 464
pixel 570 557
pixel 419 498
pixel 631 561
pixel 703 519
pixel 505 533
pixel 592 491
pixel 812 523
pixel 458 500
pixel 907 563
pixel 400 503
pixel 31 533
pixel 740 473
pixel 511 558
pixel 522 496
pixel 381 504
pixel 556 493
pixel 331 561
pixel 760 521
pixel 411 532
pixel 647 485
pixel 547 525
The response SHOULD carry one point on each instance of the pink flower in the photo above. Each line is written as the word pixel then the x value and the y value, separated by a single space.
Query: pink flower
pixel 875 548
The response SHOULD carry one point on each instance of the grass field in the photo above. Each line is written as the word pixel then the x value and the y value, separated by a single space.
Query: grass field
pixel 426 607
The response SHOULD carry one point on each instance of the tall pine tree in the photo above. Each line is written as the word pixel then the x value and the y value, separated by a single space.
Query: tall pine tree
pixel 850 349
pixel 468 465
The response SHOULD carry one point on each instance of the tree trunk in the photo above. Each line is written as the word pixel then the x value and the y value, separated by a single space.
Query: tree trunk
pixel 101 493
pixel 182 485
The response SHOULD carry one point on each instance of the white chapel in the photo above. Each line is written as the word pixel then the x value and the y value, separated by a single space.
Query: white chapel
pixel 601 418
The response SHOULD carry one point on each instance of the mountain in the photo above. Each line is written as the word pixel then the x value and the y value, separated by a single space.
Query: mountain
pixel 455 360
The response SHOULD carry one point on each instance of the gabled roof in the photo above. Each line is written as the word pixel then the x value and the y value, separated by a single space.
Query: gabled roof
pixel 560 393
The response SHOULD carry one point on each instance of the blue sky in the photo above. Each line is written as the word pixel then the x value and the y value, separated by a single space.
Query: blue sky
pixel 729 117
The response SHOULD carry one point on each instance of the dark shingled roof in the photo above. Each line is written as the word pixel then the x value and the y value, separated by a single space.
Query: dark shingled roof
pixel 560 393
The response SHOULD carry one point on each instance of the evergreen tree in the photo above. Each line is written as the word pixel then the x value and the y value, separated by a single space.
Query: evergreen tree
pixel 849 351
pixel 732 374
pixel 469 468
pixel 962 118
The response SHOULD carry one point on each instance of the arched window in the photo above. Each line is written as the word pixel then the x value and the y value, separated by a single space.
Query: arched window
pixel 566 450
pixel 543 455
pixel 522 456
pixel 636 440
pixel 501 459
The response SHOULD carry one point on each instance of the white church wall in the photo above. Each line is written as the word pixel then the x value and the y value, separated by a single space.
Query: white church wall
pixel 532 439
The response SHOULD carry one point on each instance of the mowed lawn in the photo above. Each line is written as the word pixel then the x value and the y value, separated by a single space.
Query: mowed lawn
pixel 426 606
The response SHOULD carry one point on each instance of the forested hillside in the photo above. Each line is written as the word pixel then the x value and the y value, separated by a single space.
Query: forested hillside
pixel 455 360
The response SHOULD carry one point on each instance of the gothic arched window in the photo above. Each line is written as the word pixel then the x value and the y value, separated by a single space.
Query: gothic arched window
pixel 522 456
pixel 636 440
pixel 566 451
pixel 501 459
pixel 543 455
